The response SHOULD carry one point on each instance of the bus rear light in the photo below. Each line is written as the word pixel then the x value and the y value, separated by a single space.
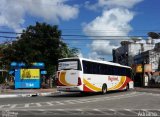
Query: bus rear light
pixel 79 81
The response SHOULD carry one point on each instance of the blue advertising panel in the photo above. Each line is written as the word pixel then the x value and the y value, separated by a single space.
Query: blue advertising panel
pixel 27 78
pixel 27 84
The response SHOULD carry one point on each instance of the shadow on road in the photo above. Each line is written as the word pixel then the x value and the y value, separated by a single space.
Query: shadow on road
pixel 83 94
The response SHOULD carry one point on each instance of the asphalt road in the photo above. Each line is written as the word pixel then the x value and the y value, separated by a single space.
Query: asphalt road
pixel 130 103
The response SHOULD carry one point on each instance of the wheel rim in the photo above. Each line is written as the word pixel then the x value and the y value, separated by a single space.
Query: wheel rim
pixel 104 90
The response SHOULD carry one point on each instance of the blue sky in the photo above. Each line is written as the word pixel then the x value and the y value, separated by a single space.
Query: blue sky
pixel 85 17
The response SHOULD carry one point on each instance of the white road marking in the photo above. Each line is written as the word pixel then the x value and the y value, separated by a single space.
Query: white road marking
pixel 59 103
pixel 26 105
pixel 70 101
pixel 4 106
pixel 101 111
pixel 84 109
pixel 13 106
pixel 132 111
pixel 76 101
pixel 38 104
pixel 116 112
pixel 49 103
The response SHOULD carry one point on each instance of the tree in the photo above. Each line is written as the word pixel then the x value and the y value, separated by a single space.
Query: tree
pixel 154 35
pixel 39 43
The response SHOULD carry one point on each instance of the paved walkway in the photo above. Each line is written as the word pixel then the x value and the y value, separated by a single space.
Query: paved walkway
pixel 7 93
pixel 150 90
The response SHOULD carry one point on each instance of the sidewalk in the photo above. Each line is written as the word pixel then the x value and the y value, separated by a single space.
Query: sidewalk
pixel 9 93
pixel 146 89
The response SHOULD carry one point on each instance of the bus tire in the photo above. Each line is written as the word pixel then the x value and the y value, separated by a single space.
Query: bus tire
pixel 104 89
pixel 127 87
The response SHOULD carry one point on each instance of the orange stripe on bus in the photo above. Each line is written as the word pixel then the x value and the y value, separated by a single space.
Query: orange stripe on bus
pixel 91 86
pixel 63 80
pixel 122 81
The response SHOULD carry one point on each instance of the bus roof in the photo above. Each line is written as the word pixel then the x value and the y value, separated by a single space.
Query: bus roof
pixel 97 61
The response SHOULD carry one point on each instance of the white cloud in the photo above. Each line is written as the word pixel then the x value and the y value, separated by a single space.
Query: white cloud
pixel 80 54
pixel 13 12
pixel 102 47
pixel 118 3
pixel 111 4
pixel 93 55
pixel 90 6
pixel 114 22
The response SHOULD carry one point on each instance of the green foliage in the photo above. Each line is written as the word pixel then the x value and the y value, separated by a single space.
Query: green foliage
pixel 39 43
pixel 154 35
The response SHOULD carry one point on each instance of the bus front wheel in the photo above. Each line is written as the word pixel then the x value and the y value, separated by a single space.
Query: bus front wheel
pixel 104 89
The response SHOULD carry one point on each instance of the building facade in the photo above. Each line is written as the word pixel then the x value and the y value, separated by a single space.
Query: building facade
pixel 149 57
pixel 144 56
pixel 128 49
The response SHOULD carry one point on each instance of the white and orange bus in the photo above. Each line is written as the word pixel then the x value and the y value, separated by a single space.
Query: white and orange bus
pixel 85 75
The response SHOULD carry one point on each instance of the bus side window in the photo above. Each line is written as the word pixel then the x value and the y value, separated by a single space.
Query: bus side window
pixel 85 67
pixel 116 71
pixel 90 68
pixel 110 70
pixel 98 69
pixel 95 69
pixel 103 69
pixel 113 70
pixel 122 71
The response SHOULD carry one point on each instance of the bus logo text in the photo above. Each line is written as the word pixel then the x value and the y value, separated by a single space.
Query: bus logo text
pixel 110 78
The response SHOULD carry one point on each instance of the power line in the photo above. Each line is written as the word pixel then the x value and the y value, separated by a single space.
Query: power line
pixel 109 37
pixel 90 31
pixel 100 37
pixel 8 37
pixel 76 29
pixel 5 32
pixel 104 36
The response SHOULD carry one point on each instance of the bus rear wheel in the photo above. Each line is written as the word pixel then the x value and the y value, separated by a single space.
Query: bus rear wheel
pixel 104 89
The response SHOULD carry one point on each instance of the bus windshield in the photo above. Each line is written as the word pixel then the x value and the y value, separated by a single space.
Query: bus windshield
pixel 69 64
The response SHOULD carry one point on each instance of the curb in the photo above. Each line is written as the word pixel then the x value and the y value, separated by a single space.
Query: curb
pixel 15 95
pixel 48 93
pixel 28 95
